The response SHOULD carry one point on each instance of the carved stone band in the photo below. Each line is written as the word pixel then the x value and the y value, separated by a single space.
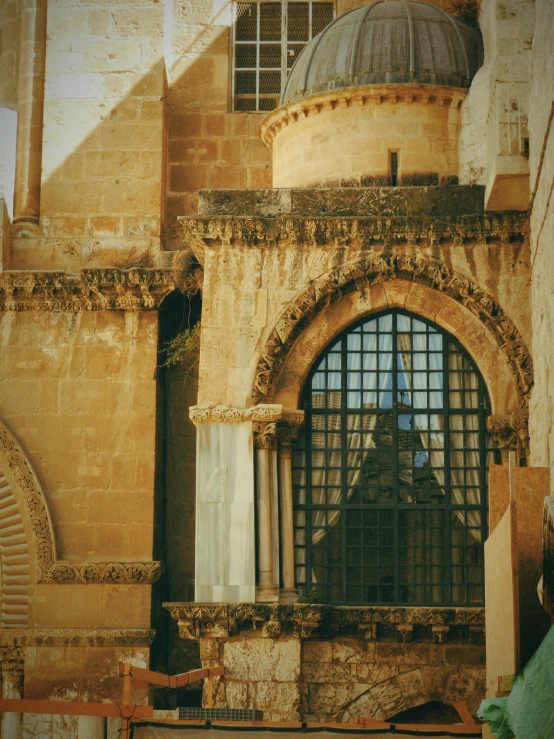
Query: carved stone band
pixel 88 573
pixel 221 620
pixel 19 638
pixel 263 413
pixel 135 289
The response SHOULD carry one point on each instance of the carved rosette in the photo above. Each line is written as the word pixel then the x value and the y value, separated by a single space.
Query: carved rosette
pixel 11 639
pixel 369 623
pixel 135 289
pixel 117 573
pixel 380 266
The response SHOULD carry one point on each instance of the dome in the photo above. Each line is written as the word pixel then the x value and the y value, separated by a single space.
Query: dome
pixel 387 42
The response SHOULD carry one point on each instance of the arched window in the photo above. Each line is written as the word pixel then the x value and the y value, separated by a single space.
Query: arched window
pixel 390 473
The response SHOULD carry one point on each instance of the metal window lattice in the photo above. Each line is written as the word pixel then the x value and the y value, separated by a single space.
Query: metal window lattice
pixel 267 39
pixel 220 714
pixel 389 476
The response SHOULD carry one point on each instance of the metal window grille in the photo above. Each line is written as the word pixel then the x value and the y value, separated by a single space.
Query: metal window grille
pixel 267 39
pixel 389 476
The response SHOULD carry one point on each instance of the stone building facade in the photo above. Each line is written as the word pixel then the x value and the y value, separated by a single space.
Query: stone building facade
pixel 150 512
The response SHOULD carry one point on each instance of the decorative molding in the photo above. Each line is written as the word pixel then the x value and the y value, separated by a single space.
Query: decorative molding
pixel 135 289
pixel 284 116
pixel 265 434
pixel 357 232
pixel 379 267
pixel 88 573
pixel 19 638
pixel 510 434
pixel 221 620
pixel 209 413
pixel 28 496
pixel 13 661
pixel 288 428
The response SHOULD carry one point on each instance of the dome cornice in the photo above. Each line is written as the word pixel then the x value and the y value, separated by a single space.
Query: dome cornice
pixel 286 115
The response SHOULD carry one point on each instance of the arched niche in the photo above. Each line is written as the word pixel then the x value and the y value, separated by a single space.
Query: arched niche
pixel 352 291
pixel 27 548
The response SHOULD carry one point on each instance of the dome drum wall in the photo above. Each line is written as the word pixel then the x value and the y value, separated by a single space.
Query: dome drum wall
pixel 347 137
pixel 385 78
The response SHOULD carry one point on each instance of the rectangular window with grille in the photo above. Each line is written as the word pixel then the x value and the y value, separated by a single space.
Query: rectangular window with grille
pixel 267 39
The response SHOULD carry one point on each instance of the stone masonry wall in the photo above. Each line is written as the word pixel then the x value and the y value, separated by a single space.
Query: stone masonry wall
pixel 78 392
pixel 541 161
pixel 338 679
pixel 101 197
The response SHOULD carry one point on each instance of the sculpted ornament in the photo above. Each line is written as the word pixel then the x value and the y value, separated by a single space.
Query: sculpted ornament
pixel 135 289
pixel 303 620
pixel 209 413
pixel 28 493
pixel 19 638
pixel 387 266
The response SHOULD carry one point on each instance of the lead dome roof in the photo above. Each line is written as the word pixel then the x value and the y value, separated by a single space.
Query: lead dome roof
pixel 387 42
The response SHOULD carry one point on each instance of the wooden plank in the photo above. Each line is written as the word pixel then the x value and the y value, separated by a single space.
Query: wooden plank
pixel 465 715
pixel 73 708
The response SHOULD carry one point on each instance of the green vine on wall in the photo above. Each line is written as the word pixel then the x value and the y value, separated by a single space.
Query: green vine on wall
pixel 184 349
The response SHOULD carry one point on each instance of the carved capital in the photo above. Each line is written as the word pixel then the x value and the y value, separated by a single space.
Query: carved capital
pixel 210 413
pixel 503 435
pixel 519 421
pixel 13 660
pixel 288 428
pixel 265 435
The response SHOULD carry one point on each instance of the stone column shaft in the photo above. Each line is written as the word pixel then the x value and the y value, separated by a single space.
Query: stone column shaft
pixel 287 520
pixel 30 112
pixel 264 438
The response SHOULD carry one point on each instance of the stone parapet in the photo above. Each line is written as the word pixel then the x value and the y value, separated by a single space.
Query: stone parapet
pixel 351 200
pixel 369 623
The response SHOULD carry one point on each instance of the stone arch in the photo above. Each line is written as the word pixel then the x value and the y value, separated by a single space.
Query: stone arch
pixel 378 281
pixel 27 549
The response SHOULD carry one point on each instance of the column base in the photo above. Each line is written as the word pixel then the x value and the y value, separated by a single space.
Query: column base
pixel 267 594
pixel 288 595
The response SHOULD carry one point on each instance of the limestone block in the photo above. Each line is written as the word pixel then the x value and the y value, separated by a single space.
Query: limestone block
pixel 279 701
pixel 366 707
pixel 264 660
pixel 317 651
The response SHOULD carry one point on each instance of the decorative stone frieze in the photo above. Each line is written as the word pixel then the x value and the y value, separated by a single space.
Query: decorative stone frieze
pixel 361 232
pixel 27 493
pixel 263 413
pixel 12 660
pixel 369 623
pixel 11 639
pixel 135 289
pixel 378 267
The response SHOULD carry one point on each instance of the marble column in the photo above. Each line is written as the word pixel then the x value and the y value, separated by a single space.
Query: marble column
pixel 92 727
pixel 225 551
pixel 264 440
pixel 288 433
pixel 28 168
pixel 12 687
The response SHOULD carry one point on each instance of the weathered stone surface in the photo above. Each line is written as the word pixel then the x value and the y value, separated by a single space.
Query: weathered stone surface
pixel 278 701
pixel 253 660
pixel 344 201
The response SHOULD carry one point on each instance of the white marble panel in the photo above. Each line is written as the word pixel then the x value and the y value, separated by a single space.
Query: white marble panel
pixel 225 545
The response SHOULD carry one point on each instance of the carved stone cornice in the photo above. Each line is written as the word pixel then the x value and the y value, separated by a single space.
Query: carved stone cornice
pixel 11 639
pixel 265 434
pixel 208 413
pixel 358 232
pixel 88 573
pixel 28 495
pixel 135 289
pixel 221 620
pixel 378 267
pixel 286 115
